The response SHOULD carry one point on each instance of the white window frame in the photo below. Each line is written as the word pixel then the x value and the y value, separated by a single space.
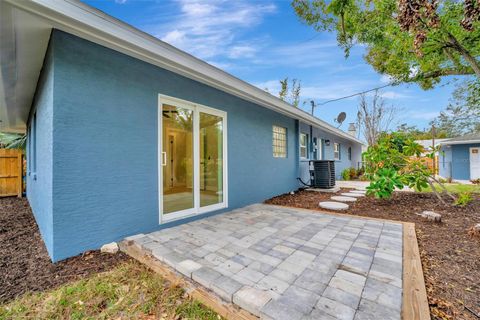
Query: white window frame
pixel 337 154
pixel 279 150
pixel 303 147
pixel 197 209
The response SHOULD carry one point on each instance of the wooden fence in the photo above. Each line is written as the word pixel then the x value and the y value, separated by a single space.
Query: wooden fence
pixel 11 169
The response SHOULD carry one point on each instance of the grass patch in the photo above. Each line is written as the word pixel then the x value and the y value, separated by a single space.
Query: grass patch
pixel 457 188
pixel 130 291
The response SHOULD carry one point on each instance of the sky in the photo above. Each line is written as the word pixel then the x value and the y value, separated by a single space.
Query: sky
pixel 262 41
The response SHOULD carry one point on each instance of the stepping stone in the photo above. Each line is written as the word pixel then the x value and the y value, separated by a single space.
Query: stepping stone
pixel 331 205
pixel 355 195
pixel 344 199
pixel 358 191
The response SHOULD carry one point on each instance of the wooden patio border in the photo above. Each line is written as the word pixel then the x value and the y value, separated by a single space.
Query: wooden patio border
pixel 414 299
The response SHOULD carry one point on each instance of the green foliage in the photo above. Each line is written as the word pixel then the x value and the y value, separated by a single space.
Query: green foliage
pixel 352 173
pixel 463 199
pixel 290 92
pixel 346 174
pixel 446 48
pixel 13 140
pixel 462 115
pixel 395 162
pixel 418 134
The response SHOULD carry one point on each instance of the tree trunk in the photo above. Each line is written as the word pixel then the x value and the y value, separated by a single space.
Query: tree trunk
pixel 466 55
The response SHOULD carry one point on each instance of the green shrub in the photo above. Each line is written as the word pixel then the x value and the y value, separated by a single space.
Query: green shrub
pixel 349 174
pixel 395 162
pixel 475 181
pixel 463 199
pixel 346 174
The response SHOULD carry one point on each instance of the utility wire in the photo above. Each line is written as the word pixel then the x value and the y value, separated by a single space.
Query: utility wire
pixel 357 94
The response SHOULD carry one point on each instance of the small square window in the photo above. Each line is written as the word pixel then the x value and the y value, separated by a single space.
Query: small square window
pixel 279 142
pixel 336 151
pixel 303 145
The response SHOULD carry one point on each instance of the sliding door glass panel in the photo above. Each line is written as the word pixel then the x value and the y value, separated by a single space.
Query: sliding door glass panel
pixel 211 159
pixel 177 158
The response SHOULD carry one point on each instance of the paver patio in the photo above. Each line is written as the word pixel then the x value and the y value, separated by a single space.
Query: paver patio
pixel 282 263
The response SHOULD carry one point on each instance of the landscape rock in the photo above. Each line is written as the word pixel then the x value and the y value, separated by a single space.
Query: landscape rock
pixel 431 216
pixel 109 248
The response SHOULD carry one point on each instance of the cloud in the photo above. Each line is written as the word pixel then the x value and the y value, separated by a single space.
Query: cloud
pixel 385 78
pixel 423 115
pixel 272 86
pixel 241 51
pixel 297 55
pixel 210 28
pixel 120 1
pixel 393 95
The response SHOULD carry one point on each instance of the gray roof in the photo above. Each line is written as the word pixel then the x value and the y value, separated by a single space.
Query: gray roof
pixel 469 138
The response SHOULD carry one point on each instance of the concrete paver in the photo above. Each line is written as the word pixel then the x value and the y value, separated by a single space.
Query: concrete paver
pixel 282 263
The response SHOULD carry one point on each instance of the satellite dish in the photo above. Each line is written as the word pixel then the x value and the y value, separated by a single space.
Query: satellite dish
pixel 340 118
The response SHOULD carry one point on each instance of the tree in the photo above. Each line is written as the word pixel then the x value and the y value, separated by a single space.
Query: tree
pixel 396 161
pixel 462 115
pixel 418 134
pixel 290 93
pixel 410 40
pixel 374 117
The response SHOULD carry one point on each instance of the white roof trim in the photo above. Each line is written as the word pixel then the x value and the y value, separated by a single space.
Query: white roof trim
pixel 460 142
pixel 84 21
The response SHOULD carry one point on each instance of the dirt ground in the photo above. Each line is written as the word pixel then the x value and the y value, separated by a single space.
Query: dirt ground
pixel 450 256
pixel 24 262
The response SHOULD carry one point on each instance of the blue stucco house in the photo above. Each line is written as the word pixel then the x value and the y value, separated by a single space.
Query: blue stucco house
pixel 127 134
pixel 459 158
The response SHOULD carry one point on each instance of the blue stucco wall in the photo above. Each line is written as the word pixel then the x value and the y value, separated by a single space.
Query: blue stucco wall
pixel 327 151
pixel 461 160
pixel 105 144
pixel 39 176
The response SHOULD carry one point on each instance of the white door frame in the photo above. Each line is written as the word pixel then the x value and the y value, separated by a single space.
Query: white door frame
pixel 477 176
pixel 197 109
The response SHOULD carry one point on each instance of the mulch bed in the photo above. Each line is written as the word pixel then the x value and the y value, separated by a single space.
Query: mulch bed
pixel 450 256
pixel 24 261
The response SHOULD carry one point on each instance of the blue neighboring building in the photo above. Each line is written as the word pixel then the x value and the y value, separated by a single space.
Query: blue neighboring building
pixel 459 158
pixel 127 134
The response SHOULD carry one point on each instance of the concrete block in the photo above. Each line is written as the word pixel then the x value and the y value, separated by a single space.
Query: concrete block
pixel 279 311
pixel 186 267
pixel 109 248
pixel 205 276
pixel 251 299
pixel 300 299
pixel 225 287
pixel 336 309
pixel 274 284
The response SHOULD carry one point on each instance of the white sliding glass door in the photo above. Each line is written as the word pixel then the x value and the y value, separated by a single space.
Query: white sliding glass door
pixel 192 159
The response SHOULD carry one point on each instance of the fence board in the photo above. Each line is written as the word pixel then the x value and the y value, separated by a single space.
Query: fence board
pixel 11 168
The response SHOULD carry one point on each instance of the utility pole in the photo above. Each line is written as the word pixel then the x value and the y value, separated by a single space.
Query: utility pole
pixel 433 147
pixel 313 106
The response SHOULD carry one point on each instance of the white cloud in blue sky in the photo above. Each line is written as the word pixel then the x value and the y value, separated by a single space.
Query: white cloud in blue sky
pixel 263 41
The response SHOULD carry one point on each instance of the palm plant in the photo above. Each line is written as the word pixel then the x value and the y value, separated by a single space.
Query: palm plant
pixel 13 140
